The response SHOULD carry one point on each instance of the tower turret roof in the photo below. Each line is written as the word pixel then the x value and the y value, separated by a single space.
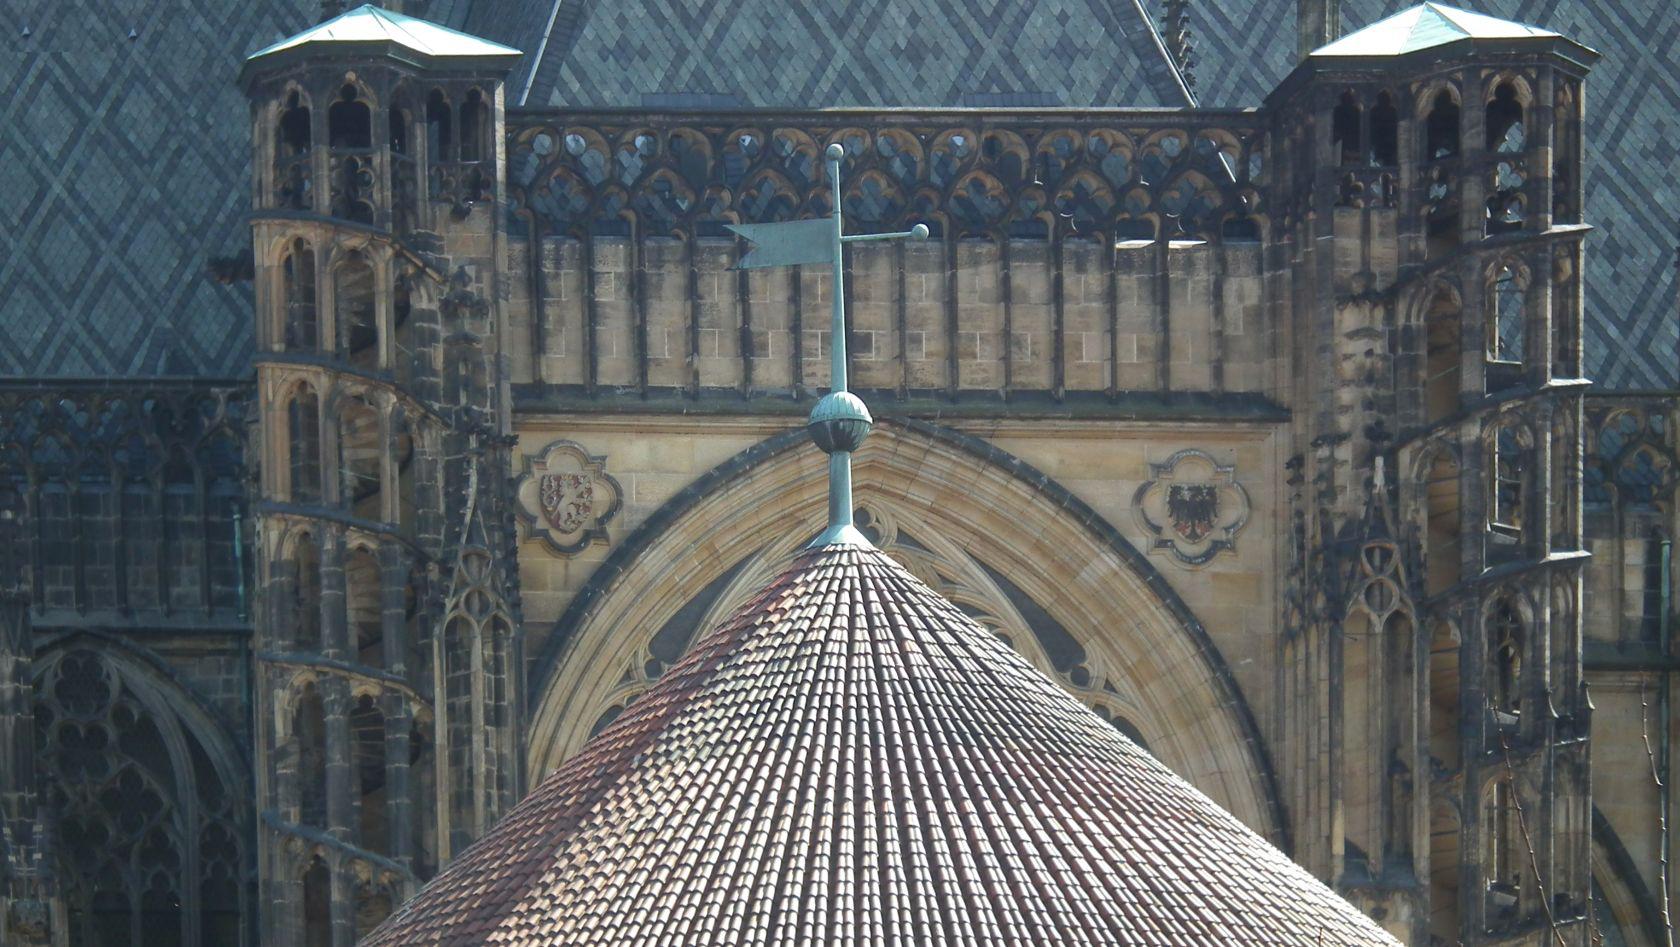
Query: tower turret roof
pixel 852 759
pixel 1424 26
pixel 372 29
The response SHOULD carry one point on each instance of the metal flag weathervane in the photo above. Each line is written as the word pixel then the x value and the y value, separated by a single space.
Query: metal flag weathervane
pixel 840 420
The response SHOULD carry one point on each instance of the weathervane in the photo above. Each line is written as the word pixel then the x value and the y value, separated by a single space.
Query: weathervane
pixel 839 421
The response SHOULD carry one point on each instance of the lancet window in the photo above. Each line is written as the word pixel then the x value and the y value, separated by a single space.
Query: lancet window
pixel 149 844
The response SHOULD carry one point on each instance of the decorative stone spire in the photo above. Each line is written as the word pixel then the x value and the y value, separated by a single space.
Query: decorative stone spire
pixel 1317 23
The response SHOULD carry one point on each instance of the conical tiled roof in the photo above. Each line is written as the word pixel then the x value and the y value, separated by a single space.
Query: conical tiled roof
pixel 851 759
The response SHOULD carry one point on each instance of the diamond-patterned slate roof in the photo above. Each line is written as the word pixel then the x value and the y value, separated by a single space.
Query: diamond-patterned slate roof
pixel 822 53
pixel 851 759
pixel 124 167
pixel 1425 26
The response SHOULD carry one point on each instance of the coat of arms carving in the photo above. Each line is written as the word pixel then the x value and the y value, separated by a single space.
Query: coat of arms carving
pixel 566 497
pixel 1192 506
pixel 567 500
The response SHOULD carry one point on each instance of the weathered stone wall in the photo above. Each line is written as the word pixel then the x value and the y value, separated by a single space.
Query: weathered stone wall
pixel 1185 317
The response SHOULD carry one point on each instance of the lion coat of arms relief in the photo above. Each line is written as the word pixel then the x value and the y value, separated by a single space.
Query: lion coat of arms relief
pixel 566 497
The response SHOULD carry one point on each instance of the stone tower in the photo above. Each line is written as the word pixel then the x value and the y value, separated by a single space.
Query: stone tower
pixel 1432 656
pixel 387 626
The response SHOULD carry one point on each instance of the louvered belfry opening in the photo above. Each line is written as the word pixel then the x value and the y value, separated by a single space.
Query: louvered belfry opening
pixel 851 759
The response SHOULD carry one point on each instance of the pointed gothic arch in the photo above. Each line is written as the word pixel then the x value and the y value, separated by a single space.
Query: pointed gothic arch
pixel 1070 562
pixel 148 792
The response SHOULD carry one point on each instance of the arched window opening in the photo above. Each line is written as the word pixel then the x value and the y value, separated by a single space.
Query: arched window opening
pixel 129 783
pixel 1566 154
pixel 499 700
pixel 404 341
pixel 182 536
pixel 1505 133
pixel 317 904
pixel 1507 296
pixel 1385 132
pixel 309 734
pixel 350 135
pixel 1651 611
pixel 360 459
pixel 358 326
pixel 294 127
pixel 397 119
pixel 402 457
pixel 298 279
pixel 1440 128
pixel 475 127
pixel 1444 654
pixel 303 426
pixel 1442 227
pixel 96 534
pixel 1504 866
pixel 349 122
pixel 367 740
pixel 292 171
pixel 306 596
pixel 404 178
pixel 1345 123
pixel 1505 636
pixel 1400 749
pixel 440 138
pixel 362 594
pixel 460 640
pixel 1443 359
pixel 1506 487
pixel 1443 553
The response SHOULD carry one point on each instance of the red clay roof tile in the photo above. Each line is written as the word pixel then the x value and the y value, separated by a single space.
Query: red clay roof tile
pixel 851 759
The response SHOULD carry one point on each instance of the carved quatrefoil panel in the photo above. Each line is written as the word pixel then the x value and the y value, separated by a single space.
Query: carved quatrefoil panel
pixel 1192 506
pixel 566 497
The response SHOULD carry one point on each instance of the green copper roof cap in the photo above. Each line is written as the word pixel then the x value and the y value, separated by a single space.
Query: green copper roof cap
pixel 405 37
pixel 1424 26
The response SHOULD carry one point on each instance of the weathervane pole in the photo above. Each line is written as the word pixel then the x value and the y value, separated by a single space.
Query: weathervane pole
pixel 839 421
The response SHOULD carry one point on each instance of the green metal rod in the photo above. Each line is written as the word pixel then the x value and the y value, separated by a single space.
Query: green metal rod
pixel 918 232
pixel 838 342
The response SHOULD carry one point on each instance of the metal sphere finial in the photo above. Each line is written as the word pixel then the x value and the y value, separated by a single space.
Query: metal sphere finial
pixel 839 422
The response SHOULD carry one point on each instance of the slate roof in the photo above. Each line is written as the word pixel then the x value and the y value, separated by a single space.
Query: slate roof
pixel 851 759
pixel 124 167
pixel 823 53
pixel 1426 26
pixel 124 162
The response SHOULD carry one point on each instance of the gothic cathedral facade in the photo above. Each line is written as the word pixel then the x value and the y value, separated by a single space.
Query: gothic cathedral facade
pixel 1265 431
